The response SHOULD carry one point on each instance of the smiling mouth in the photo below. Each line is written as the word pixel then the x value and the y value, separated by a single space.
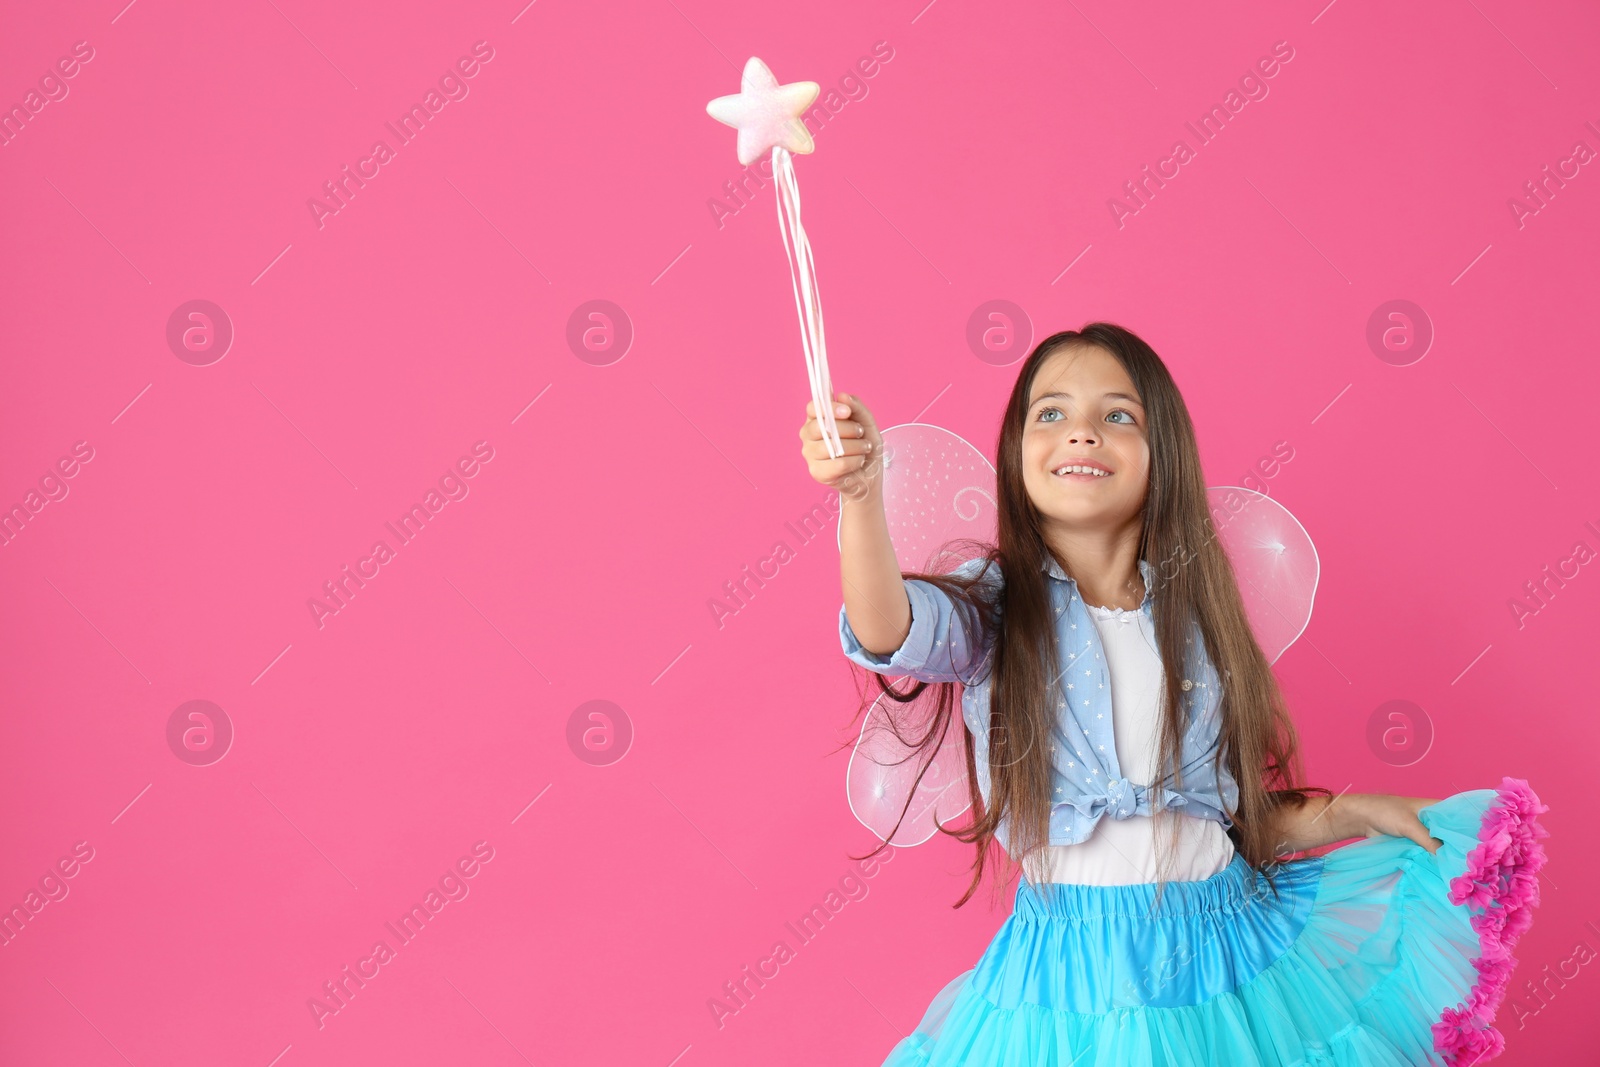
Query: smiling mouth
pixel 1080 474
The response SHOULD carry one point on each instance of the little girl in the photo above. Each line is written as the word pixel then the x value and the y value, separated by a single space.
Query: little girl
pixel 1118 709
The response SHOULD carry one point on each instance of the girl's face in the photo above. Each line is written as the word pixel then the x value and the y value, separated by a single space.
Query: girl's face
pixel 1084 411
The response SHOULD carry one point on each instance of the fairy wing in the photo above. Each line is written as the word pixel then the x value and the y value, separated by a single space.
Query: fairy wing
pixel 1274 561
pixel 938 487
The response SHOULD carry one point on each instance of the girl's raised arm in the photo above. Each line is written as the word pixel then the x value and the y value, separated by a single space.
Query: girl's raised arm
pixel 875 600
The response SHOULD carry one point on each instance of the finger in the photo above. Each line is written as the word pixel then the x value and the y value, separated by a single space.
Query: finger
pixel 817 449
pixel 830 471
pixel 858 410
pixel 847 467
pixel 1419 833
pixel 812 430
pixel 841 472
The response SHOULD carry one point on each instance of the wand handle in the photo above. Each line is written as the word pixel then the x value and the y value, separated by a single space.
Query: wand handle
pixel 807 299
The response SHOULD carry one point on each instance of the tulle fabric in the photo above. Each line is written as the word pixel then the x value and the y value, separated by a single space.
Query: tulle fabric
pixel 1377 954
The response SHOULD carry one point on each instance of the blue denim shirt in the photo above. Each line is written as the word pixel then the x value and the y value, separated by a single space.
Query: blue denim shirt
pixel 1087 780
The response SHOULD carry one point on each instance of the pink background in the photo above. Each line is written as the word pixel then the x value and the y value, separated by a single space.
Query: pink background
pixel 432 712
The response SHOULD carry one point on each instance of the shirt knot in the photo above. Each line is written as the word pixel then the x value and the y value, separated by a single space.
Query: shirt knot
pixel 1120 802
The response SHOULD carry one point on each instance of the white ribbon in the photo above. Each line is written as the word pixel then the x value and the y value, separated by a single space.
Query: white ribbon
pixel 807 301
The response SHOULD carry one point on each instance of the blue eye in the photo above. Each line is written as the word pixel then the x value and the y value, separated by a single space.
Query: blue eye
pixel 1131 420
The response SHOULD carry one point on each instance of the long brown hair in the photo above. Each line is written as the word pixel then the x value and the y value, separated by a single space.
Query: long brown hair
pixel 1191 579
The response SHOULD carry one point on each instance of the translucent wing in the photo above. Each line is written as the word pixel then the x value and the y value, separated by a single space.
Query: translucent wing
pixel 882 772
pixel 1274 560
pixel 938 487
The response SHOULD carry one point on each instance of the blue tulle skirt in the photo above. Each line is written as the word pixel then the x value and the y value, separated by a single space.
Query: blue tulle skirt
pixel 1376 954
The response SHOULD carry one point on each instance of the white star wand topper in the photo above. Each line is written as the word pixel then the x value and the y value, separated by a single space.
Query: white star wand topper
pixel 767 115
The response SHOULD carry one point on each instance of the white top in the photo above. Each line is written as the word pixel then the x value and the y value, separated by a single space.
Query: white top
pixel 1123 851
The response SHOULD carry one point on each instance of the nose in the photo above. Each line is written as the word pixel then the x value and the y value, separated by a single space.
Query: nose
pixel 1079 428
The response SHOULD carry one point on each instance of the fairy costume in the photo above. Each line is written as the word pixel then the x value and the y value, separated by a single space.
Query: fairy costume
pixel 1377 954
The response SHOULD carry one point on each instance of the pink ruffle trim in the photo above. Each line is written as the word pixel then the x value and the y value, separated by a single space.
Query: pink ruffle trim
pixel 1502 876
